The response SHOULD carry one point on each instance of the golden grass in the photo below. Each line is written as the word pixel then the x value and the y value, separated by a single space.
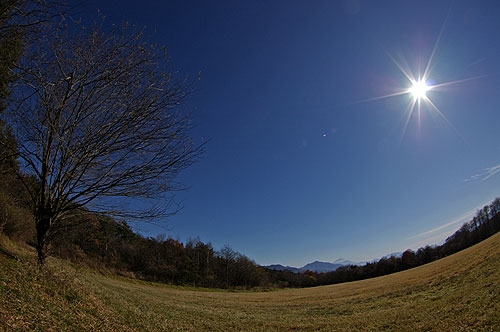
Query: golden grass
pixel 457 293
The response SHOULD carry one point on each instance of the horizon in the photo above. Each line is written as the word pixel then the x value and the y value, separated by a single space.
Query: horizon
pixel 317 148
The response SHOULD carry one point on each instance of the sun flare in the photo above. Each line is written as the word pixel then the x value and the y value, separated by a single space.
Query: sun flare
pixel 419 89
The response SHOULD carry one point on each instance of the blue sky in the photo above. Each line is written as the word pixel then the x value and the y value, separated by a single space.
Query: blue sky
pixel 300 166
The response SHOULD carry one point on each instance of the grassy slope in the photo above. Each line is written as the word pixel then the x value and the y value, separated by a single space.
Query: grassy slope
pixel 457 293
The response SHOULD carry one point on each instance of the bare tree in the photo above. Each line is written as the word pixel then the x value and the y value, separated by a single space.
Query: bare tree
pixel 100 125
pixel 23 14
pixel 21 22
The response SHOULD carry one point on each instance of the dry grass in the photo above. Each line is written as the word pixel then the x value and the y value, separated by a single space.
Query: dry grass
pixel 458 293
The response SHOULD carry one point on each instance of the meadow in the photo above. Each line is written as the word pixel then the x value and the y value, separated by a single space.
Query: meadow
pixel 458 293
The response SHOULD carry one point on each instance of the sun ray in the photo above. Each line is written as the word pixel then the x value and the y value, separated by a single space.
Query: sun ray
pixel 455 130
pixel 419 87
pixel 408 75
pixel 403 92
pixel 410 112
pixel 427 100
pixel 419 103
pixel 428 65
pixel 459 81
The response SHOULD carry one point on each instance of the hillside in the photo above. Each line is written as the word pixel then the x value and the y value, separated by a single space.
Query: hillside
pixel 457 293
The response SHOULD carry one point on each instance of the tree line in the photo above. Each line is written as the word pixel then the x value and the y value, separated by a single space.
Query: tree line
pixel 109 245
pixel 103 243
pixel 483 225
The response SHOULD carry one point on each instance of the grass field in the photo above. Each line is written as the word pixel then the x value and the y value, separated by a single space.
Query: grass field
pixel 457 293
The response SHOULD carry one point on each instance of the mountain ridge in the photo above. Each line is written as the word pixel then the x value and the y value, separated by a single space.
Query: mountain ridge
pixel 321 267
pixel 316 266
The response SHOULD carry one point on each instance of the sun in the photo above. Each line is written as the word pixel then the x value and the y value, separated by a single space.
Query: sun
pixel 419 89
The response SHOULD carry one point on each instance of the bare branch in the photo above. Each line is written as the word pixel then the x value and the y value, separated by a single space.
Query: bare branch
pixel 100 116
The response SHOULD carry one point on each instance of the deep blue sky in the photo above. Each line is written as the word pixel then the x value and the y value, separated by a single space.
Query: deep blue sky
pixel 297 168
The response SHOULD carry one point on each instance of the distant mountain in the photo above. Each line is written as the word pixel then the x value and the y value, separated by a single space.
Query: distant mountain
pixel 314 266
pixel 343 261
pixel 320 267
pixel 279 267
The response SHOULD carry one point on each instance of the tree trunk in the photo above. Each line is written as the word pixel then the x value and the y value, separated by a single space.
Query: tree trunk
pixel 42 222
